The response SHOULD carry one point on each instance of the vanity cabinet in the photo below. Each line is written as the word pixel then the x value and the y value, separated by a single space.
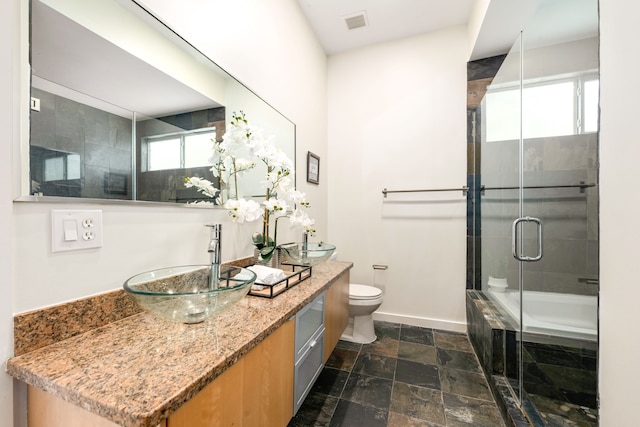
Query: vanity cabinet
pixel 309 348
pixel 255 391
pixel 336 313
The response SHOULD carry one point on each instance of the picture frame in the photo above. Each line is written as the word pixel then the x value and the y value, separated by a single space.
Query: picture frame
pixel 313 168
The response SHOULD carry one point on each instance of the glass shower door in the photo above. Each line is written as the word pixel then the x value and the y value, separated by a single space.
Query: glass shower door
pixel 539 211
pixel 500 201
pixel 559 216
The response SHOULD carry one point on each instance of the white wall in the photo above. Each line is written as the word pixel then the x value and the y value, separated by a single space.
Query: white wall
pixel 619 205
pixel 282 63
pixel 9 125
pixel 397 120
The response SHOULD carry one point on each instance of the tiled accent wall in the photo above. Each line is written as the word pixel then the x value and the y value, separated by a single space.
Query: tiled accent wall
pixel 101 139
pixel 480 74
pixel 486 333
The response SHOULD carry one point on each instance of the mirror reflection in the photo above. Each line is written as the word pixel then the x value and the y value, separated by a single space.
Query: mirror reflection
pixel 123 108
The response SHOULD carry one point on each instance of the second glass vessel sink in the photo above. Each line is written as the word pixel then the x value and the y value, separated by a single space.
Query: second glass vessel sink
pixel 306 253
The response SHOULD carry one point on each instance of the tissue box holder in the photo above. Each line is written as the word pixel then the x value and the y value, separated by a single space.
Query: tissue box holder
pixel 295 274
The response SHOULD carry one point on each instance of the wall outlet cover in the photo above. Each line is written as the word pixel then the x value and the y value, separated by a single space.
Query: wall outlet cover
pixel 73 230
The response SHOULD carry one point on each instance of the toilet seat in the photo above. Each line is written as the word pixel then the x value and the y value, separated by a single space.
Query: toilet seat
pixel 363 292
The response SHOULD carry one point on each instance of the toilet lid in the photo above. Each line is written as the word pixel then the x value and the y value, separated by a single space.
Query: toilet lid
pixel 363 292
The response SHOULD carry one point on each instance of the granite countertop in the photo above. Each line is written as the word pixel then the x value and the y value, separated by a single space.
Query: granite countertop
pixel 139 370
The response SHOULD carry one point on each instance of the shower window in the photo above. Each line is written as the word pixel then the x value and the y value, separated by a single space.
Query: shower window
pixel 550 108
pixel 590 96
pixel 180 150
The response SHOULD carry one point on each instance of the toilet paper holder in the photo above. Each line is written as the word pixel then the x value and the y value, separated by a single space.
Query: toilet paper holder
pixel 380 267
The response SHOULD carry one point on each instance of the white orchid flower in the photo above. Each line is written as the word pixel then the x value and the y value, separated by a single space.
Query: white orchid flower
pixel 242 210
pixel 203 185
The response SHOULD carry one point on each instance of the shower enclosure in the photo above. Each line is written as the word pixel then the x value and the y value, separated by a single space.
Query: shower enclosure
pixel 534 214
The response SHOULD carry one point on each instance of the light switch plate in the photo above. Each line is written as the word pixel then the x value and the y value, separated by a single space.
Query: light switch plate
pixel 88 232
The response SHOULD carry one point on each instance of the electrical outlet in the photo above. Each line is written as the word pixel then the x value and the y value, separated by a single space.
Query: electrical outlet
pixel 75 230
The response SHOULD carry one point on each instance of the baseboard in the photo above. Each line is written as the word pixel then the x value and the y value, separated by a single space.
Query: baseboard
pixel 424 322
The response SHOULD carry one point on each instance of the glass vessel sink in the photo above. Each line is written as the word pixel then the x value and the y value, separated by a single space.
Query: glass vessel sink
pixel 183 294
pixel 313 254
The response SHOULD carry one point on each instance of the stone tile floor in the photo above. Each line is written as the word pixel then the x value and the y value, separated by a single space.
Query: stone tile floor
pixel 409 377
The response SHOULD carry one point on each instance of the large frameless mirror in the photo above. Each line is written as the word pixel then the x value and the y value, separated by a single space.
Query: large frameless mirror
pixel 123 108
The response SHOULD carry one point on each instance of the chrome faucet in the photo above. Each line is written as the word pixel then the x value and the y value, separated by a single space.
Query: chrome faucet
pixel 214 251
pixel 305 245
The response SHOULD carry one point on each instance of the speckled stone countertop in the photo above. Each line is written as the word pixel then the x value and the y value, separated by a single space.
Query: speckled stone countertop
pixel 139 370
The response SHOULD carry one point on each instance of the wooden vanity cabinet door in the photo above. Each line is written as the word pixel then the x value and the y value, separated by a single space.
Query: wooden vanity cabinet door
pixel 256 391
pixel 336 315
pixel 47 410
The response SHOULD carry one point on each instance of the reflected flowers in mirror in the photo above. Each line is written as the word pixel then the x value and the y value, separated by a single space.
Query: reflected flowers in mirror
pixel 243 147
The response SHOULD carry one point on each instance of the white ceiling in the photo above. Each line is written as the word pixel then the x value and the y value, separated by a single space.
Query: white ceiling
pixel 386 20
pixel 503 20
pixel 68 54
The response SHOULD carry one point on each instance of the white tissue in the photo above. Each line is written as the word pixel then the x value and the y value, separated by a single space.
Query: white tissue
pixel 267 275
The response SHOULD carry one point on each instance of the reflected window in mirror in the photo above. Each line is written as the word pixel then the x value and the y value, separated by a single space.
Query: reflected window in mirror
pixel 171 148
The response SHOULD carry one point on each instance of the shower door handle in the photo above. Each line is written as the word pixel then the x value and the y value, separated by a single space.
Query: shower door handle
pixel 514 239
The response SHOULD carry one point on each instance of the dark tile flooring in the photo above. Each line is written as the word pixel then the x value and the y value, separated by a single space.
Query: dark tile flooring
pixel 409 377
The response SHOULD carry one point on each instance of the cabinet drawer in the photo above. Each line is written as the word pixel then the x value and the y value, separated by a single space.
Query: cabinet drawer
pixel 308 368
pixel 309 321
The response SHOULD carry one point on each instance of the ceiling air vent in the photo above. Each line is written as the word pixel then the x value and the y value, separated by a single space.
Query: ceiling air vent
pixel 357 20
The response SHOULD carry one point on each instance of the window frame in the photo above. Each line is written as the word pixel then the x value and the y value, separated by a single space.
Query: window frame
pixel 579 107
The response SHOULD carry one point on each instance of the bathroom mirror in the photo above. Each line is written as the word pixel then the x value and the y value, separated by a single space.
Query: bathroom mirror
pixel 122 108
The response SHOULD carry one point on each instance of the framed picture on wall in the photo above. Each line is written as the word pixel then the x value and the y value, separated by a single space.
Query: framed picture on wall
pixel 313 168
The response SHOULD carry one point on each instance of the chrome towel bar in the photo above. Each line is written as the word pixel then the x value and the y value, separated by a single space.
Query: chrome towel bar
pixel 464 190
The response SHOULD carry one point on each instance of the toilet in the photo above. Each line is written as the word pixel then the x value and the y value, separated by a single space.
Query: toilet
pixel 363 301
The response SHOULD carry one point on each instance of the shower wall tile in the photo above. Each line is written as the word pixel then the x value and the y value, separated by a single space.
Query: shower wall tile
pixel 43 121
pixel 564 256
pixel 533 281
pixel 92 133
pixel 592 144
pixel 566 152
pixel 565 218
pixel 501 158
pixel 533 155
pixel 69 137
pixel 94 179
pixel 96 155
pixel 469 274
pixel 593 206
pixel 120 132
pixel 568 284
pixel 96 125
pixel 119 159
pixel 593 258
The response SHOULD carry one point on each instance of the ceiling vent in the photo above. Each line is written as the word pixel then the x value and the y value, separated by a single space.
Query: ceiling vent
pixel 357 20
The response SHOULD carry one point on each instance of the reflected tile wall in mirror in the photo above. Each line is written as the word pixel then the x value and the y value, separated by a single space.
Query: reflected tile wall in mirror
pixel 86 147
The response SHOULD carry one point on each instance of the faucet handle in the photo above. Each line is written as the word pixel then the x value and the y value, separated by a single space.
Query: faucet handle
pixel 216 229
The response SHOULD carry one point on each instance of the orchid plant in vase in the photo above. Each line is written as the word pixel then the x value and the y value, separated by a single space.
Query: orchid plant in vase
pixel 242 148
